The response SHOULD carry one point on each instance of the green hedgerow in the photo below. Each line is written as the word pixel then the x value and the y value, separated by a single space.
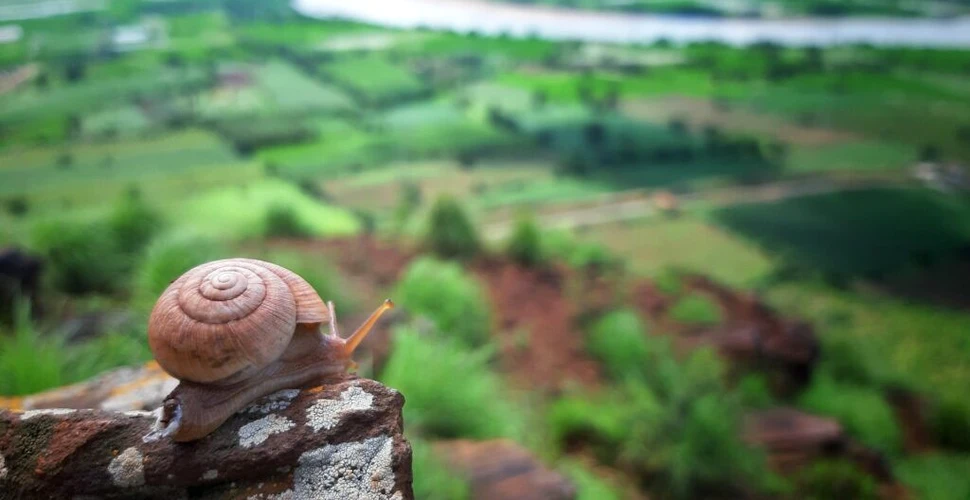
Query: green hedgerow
pixel 443 292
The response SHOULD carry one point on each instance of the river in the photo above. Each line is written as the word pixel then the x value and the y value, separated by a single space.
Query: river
pixel 488 18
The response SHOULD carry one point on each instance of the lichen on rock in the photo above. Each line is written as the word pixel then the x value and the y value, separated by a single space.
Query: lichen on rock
pixel 127 469
pixel 360 469
pixel 29 414
pixel 325 413
pixel 256 432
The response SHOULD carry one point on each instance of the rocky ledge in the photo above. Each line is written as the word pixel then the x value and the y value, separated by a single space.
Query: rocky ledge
pixel 340 441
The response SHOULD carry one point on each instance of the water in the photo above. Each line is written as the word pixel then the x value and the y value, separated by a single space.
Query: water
pixel 563 24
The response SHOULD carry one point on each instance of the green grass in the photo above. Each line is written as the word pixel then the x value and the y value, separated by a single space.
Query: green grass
pixel 856 232
pixel 373 78
pixel 171 164
pixel 559 189
pixel 589 486
pixel 936 476
pixel 125 121
pixel 32 362
pixel 434 478
pixel 238 211
pixel 922 347
pixel 851 156
pixel 93 94
pixel 565 87
pixel 289 90
pixel 654 245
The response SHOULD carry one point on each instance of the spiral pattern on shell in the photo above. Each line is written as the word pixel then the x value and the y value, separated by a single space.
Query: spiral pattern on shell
pixel 229 317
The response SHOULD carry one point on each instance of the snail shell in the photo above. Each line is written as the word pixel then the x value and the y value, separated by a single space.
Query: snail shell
pixel 225 319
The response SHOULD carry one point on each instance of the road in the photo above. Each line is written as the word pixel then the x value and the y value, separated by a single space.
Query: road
pixel 643 206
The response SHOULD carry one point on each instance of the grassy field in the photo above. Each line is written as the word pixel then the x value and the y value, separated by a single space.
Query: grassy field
pixel 373 78
pixel 654 245
pixel 859 232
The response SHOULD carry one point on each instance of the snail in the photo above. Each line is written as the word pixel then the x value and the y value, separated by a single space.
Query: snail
pixel 235 330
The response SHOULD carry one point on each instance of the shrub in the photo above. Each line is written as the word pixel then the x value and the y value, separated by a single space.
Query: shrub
pixel 82 257
pixel 450 233
pixel 134 223
pixel 835 479
pixel 677 423
pixel 167 258
pixel 696 309
pixel 561 245
pixel 283 221
pixel 444 293
pixel 433 478
pixel 864 412
pixel 669 281
pixel 450 390
pixel 619 341
pixel 525 244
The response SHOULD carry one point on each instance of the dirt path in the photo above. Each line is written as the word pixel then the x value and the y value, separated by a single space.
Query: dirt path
pixel 643 206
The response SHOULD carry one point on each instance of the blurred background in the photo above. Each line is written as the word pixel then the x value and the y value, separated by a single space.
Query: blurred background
pixel 652 248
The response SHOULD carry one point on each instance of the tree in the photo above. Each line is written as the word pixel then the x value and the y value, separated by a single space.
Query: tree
pixel 450 233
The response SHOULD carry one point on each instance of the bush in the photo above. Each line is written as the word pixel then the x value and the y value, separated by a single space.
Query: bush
pixel 619 341
pixel 283 221
pixel 696 309
pixel 17 206
pixel 450 390
pixel 82 257
pixel 835 479
pixel 433 478
pixel 169 257
pixel 525 244
pixel 134 223
pixel 669 281
pixel 561 245
pixel 864 412
pixel 450 233
pixel 449 297
pixel 676 423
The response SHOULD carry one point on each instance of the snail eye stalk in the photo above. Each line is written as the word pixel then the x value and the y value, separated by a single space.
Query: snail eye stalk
pixel 354 340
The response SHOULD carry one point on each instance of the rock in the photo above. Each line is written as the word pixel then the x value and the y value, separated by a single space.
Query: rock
pixel 501 469
pixel 128 388
pixel 793 439
pixel 343 440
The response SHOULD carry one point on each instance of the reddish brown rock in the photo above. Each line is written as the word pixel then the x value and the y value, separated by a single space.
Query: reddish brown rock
pixel 343 440
pixel 501 469
pixel 793 439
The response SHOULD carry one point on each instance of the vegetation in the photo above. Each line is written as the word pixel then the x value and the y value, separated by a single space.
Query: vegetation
pixel 525 244
pixel 450 233
pixel 454 394
pixel 453 300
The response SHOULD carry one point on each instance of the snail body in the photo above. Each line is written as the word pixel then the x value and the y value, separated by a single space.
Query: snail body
pixel 234 330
